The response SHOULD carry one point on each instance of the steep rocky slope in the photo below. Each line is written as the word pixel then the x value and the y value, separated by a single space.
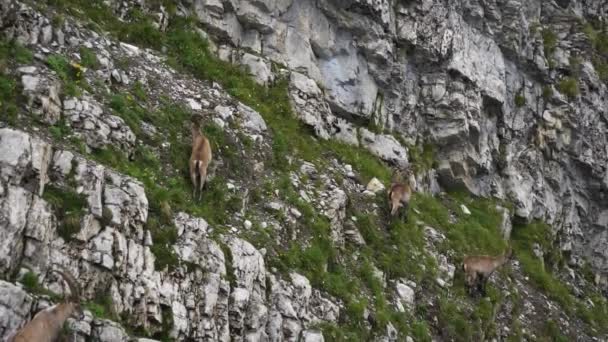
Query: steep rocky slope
pixel 292 240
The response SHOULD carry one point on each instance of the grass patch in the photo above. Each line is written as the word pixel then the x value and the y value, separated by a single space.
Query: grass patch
pixel 102 306
pixel 69 73
pixel 88 58
pixel 11 52
pixel 422 157
pixel 520 99
pixel 549 42
pixel 569 87
pixel 69 209
pixel 164 236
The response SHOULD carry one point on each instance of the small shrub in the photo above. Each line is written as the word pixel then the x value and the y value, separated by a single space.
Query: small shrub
pixel 69 208
pixel 60 130
pixel 163 239
pixel 231 277
pixel 70 74
pixel 568 86
pixel 549 41
pixel 30 281
pixel 547 92
pixel 8 94
pixel 601 67
pixel 106 216
pixel 139 91
pixel 520 99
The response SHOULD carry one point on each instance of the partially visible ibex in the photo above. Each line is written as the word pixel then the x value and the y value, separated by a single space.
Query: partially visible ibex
pixel 46 324
pixel 478 268
pixel 200 157
pixel 401 191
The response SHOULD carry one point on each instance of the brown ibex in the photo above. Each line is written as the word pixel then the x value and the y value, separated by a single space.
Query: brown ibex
pixel 401 191
pixel 478 269
pixel 200 157
pixel 46 324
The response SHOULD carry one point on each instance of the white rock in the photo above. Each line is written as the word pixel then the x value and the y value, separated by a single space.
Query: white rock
pixel 375 185
pixel 194 105
pixel 465 210
pixel 247 224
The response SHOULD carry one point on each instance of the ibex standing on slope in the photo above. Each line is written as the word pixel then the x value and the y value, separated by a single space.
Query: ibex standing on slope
pixel 200 157
pixel 401 191
pixel 478 268
pixel 46 324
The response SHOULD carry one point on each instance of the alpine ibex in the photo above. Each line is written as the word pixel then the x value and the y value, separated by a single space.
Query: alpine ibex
pixel 478 268
pixel 200 157
pixel 401 191
pixel 46 324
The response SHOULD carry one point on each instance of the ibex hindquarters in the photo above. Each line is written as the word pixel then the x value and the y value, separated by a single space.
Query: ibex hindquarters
pixel 199 159
pixel 402 187
pixel 478 269
pixel 399 197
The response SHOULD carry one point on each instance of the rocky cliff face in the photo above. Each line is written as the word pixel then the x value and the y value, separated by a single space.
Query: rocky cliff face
pixel 474 78
pixel 506 100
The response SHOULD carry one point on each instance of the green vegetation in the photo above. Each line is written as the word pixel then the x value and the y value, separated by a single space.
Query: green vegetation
pixel 9 92
pixel 230 276
pixel 541 274
pixel 568 86
pixel 547 92
pixel 32 285
pixel 13 51
pixel 88 58
pixel 60 130
pixel 422 158
pixel 102 306
pixel 69 209
pixel 597 33
pixel 520 99
pixel 69 73
pixel 397 249
pixel 164 236
pixel 30 281
pixel 549 42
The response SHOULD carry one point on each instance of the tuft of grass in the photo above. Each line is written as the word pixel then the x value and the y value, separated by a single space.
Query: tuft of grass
pixel 139 91
pixel 422 157
pixel 102 306
pixel 88 58
pixel 69 209
pixel 8 94
pixel 60 130
pixel 13 51
pixel 520 99
pixel 69 73
pixel 568 86
pixel 549 41
pixel 30 282
pixel 230 275
pixel 453 322
pixel 547 92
